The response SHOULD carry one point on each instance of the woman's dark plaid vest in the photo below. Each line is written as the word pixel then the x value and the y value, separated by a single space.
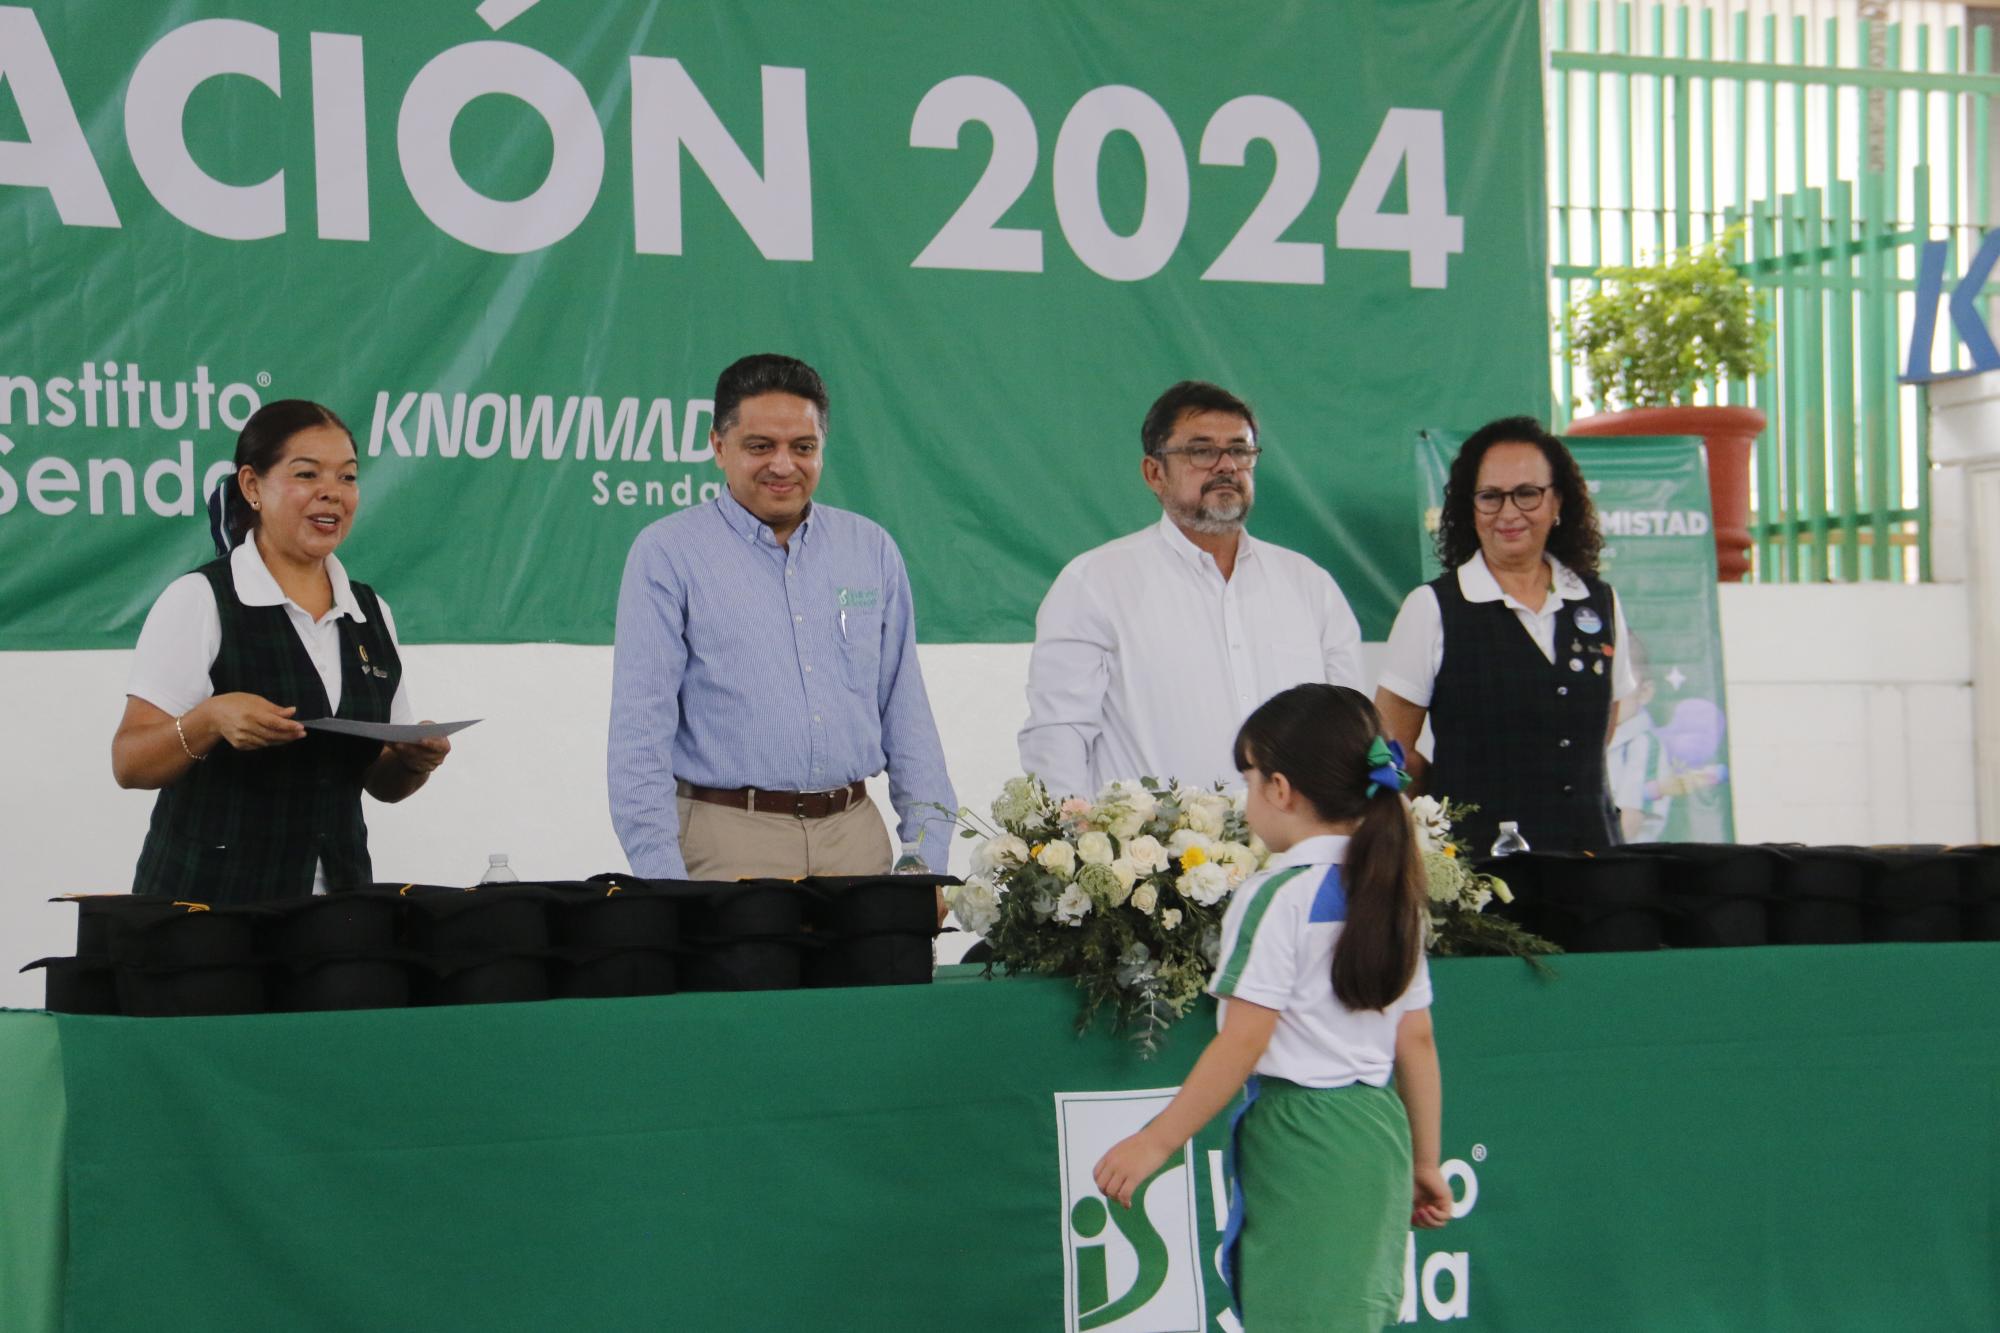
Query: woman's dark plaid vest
pixel 1519 736
pixel 248 825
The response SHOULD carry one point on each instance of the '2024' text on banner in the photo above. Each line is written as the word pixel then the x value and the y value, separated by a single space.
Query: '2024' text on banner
pixel 513 244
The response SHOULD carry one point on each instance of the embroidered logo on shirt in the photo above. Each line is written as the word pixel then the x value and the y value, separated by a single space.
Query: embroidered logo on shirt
pixel 859 598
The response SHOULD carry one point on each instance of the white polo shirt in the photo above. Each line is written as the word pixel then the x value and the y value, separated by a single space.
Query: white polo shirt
pixel 1278 938
pixel 1416 641
pixel 1147 660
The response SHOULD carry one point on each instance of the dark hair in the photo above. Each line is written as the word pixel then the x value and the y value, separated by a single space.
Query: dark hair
pixel 1189 396
pixel 1576 541
pixel 259 447
pixel 1319 736
pixel 766 372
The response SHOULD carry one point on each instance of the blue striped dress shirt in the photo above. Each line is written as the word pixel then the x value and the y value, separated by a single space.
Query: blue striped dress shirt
pixel 743 663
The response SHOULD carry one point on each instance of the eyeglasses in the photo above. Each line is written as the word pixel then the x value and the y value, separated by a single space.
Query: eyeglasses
pixel 1527 499
pixel 1204 457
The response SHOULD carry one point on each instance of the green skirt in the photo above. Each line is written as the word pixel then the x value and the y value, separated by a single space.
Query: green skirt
pixel 1320 1215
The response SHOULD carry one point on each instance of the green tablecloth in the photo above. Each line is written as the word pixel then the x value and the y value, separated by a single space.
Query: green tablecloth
pixel 1731 1139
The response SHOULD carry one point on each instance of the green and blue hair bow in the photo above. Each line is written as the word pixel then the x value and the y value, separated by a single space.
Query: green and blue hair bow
pixel 1385 767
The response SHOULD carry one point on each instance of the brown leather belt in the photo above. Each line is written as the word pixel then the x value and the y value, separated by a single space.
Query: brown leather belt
pixel 799 804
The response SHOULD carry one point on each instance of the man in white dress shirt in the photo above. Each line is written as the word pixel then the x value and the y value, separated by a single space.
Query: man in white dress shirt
pixel 1152 649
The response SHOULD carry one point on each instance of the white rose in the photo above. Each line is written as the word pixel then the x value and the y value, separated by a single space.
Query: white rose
pixel 1073 906
pixel 1204 812
pixel 1001 853
pixel 1146 854
pixel 1146 898
pixel 1206 884
pixel 1059 857
pixel 1259 850
pixel 1094 849
pixel 1170 918
pixel 1236 859
pixel 976 905
pixel 1184 838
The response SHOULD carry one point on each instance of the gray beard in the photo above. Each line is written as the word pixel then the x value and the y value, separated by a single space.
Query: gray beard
pixel 1213 519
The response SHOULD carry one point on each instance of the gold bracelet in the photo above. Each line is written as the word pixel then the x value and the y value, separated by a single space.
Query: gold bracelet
pixel 184 741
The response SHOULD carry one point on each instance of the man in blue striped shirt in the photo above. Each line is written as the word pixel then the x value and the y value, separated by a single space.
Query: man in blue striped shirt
pixel 766 666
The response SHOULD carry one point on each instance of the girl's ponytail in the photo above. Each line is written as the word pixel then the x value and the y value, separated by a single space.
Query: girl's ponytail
pixel 1378 948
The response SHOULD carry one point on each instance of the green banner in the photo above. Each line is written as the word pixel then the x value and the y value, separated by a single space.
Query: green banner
pixel 1669 760
pixel 512 243
pixel 1782 1138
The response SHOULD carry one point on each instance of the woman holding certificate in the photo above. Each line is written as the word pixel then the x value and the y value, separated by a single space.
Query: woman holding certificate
pixel 238 656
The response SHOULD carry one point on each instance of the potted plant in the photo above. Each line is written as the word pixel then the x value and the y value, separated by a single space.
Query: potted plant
pixel 1649 338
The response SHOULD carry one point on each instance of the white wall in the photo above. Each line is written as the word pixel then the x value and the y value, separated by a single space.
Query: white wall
pixel 1850 709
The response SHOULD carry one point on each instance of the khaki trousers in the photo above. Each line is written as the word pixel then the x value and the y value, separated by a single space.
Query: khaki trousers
pixel 721 843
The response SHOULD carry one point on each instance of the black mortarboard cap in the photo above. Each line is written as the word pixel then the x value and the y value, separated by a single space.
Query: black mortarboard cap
pixel 1715 894
pixel 756 964
pixel 605 973
pixel 1914 898
pixel 1818 893
pixel 888 959
pixel 490 979
pixel 78 985
pixel 477 923
pixel 303 984
pixel 334 925
pixel 614 912
pixel 851 905
pixel 173 991
pixel 751 909
pixel 1979 877
pixel 1608 902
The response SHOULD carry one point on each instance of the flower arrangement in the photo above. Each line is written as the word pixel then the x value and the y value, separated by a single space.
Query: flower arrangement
pixel 1125 893
pixel 1459 893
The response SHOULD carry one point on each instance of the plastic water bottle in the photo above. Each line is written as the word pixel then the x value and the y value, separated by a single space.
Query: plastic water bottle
pixel 909 863
pixel 499 872
pixel 1510 839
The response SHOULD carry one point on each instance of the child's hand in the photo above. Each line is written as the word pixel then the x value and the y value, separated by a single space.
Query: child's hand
pixel 1432 1199
pixel 1129 1164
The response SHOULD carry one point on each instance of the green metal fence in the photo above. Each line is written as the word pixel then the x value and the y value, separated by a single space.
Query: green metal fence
pixel 1843 143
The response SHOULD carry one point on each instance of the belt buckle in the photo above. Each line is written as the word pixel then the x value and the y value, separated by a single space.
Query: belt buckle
pixel 799 802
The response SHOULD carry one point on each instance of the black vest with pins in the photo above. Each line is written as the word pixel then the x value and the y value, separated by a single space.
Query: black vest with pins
pixel 1519 736
pixel 248 825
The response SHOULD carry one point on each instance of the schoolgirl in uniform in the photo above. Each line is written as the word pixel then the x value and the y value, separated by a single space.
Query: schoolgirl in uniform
pixel 1325 1011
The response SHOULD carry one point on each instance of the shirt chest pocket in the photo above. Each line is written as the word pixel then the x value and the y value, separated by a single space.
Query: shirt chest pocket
pixel 860 634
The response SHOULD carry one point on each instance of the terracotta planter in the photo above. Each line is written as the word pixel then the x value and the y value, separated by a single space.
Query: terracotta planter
pixel 1728 433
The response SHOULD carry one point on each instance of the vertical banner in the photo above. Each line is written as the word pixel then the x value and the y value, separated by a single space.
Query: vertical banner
pixel 1669 760
pixel 513 243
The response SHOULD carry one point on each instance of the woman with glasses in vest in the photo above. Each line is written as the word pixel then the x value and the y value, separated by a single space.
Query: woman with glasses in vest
pixel 236 657
pixel 1516 655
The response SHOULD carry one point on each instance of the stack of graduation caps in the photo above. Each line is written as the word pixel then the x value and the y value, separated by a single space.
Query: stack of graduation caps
pixel 1695 895
pixel 397 945
pixel 156 957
